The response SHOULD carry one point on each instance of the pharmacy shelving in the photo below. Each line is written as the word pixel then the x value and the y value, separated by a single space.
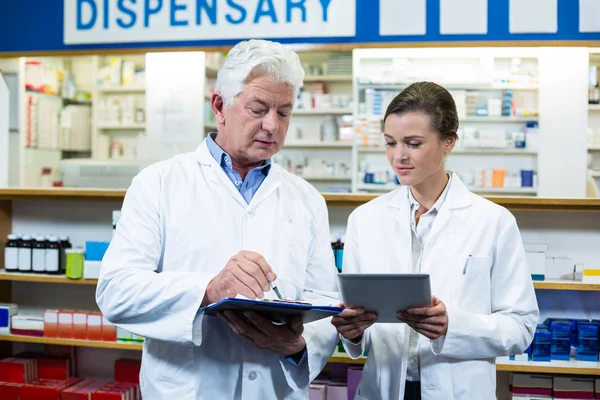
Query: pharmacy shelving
pixel 327 178
pixel 594 148
pixel 595 174
pixel 505 190
pixel 328 78
pixel 323 111
pixel 550 367
pixel 117 127
pixel 61 279
pixel 475 150
pixel 72 342
pixel 594 107
pixel 21 277
pixel 318 145
pixel 450 86
pixel 121 89
pixel 332 199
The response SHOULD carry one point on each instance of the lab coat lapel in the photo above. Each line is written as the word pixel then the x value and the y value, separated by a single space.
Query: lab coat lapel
pixel 401 248
pixel 272 181
pixel 444 226
pixel 215 174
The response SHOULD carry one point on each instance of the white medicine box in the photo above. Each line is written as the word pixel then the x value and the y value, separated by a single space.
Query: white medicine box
pixel 560 268
pixel 536 259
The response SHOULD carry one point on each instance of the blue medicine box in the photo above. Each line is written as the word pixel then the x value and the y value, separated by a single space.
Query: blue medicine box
pixel 542 343
pixel 561 340
pixel 587 343
pixel 94 251
pixel 4 318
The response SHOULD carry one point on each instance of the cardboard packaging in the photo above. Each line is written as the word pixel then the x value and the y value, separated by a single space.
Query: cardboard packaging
pixel 82 390
pixel 46 389
pixel 10 391
pixel 94 326
pixel 18 370
pixel 80 325
pixel 51 323
pixel 65 324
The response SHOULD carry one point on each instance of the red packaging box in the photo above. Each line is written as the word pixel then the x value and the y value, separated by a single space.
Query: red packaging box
pixel 68 352
pixel 51 323
pixel 127 371
pixel 10 391
pixel 109 331
pixel 94 326
pixel 54 368
pixel 65 324
pixel 82 390
pixel 80 325
pixel 18 370
pixel 133 389
pixel 112 394
pixel 45 389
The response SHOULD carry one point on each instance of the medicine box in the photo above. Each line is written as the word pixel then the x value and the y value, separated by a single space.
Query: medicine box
pixel 531 385
pixel 65 324
pixel 591 276
pixel 46 389
pixel 542 344
pixel 536 260
pixel 82 390
pixel 54 368
pixel 7 311
pixel 587 341
pixel 91 269
pixel 94 251
pixel 561 340
pixel 109 331
pixel 317 392
pixel 560 268
pixel 10 391
pixel 51 323
pixel 573 387
pixel 18 370
pixel 94 326
pixel 80 325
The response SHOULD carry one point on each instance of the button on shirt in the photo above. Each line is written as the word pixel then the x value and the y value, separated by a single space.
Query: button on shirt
pixel 420 233
pixel 254 179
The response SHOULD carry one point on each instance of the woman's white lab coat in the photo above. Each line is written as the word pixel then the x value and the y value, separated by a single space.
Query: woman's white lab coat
pixel 478 268
pixel 182 219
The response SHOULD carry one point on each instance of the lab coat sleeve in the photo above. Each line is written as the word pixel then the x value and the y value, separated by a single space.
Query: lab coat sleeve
pixel 351 265
pixel 320 288
pixel 509 329
pixel 130 293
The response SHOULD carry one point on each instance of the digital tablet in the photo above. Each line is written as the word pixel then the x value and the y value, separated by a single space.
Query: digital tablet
pixel 385 294
pixel 278 312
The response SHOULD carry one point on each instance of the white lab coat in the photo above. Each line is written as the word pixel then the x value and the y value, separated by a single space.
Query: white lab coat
pixel 182 219
pixel 478 268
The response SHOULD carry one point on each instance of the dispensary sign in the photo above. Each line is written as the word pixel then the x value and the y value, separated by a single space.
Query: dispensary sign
pixel 120 21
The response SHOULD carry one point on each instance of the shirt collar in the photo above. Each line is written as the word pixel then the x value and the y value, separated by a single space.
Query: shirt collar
pixel 436 207
pixel 224 159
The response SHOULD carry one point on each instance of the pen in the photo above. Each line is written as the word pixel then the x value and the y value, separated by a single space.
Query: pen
pixel 466 264
pixel 274 287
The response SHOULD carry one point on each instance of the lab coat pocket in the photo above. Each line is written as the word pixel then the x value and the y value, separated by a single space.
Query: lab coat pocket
pixel 472 287
pixel 297 248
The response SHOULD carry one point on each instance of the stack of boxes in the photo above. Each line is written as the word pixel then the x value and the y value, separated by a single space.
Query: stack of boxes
pixel 340 383
pixel 563 340
pixel 35 377
pixel 545 387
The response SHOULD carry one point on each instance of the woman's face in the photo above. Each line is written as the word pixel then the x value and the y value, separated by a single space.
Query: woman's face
pixel 414 151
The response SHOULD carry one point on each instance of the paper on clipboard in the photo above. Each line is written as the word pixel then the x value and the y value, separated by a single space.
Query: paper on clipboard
pixel 278 311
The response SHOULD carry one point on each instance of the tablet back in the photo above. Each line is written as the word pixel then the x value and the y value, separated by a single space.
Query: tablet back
pixel 386 294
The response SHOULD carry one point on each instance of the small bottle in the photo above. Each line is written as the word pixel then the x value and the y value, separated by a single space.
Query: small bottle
pixel 64 245
pixel 11 253
pixel 38 255
pixel 25 253
pixel 53 251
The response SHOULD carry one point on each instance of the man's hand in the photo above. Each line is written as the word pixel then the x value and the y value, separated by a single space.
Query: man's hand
pixel 247 273
pixel 284 340
pixel 352 323
pixel 431 322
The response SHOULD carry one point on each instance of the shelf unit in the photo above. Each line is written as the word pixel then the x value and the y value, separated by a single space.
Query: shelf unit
pixel 61 279
pixel 375 85
pixel 332 199
pixel 323 111
pixel 12 281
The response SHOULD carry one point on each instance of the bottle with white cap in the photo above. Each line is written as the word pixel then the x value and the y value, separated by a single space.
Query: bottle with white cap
pixel 38 255
pixel 25 246
pixel 11 253
pixel 53 256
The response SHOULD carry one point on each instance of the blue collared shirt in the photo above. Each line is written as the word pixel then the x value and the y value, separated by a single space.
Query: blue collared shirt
pixel 246 188
pixel 254 179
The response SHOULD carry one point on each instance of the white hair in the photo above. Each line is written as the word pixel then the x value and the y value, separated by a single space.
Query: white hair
pixel 259 58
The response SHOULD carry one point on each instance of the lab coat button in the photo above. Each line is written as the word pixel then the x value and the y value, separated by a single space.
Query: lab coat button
pixel 252 375
pixel 412 361
pixel 250 214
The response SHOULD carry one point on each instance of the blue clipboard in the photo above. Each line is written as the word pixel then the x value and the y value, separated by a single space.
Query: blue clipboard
pixel 279 312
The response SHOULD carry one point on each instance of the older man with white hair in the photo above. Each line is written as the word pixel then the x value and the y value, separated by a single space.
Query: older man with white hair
pixel 222 222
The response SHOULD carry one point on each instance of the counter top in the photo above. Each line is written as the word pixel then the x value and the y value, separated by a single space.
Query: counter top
pixel 333 199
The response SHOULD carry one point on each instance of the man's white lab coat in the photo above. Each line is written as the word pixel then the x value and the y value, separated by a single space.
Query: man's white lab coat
pixel 182 219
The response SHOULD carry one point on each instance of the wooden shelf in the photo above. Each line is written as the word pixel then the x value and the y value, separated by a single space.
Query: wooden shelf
pixel 328 78
pixel 343 358
pixel 21 277
pixel 333 199
pixel 122 89
pixel 122 127
pixel 566 285
pixel 320 145
pixel 552 367
pixel 71 342
pixel 323 111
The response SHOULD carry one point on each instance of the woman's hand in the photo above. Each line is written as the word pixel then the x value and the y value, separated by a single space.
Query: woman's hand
pixel 431 321
pixel 352 323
